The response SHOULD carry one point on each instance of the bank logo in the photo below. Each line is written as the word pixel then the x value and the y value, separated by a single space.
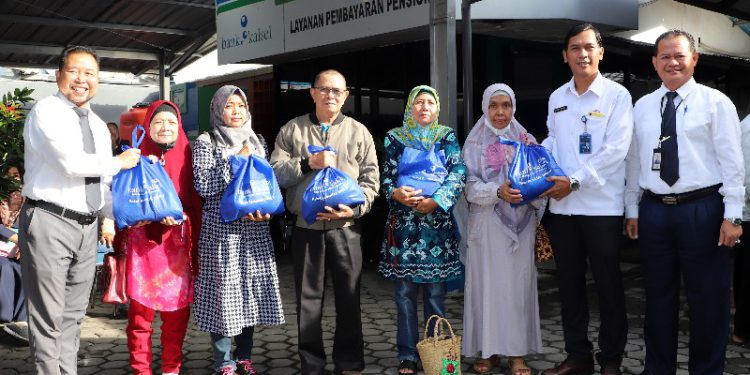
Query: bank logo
pixel 249 35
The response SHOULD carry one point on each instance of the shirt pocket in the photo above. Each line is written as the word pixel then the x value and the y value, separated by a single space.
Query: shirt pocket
pixel 695 122
pixel 595 123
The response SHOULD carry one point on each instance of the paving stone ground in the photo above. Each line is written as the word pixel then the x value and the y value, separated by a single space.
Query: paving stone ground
pixel 104 347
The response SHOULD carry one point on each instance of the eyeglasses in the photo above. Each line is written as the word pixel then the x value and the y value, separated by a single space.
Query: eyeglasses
pixel 328 90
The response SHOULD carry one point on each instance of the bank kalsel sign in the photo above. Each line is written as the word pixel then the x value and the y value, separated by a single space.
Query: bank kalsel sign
pixel 246 27
pixel 248 36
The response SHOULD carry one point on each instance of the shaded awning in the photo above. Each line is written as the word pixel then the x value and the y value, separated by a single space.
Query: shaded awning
pixel 129 35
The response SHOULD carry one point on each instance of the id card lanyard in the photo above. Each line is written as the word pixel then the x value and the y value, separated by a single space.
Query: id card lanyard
pixel 584 140
pixel 656 157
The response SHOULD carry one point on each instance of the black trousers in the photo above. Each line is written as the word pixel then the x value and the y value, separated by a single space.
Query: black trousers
pixel 742 284
pixel 680 242
pixel 576 238
pixel 315 252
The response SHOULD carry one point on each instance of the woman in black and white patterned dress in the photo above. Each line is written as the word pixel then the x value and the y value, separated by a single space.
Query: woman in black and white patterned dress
pixel 237 287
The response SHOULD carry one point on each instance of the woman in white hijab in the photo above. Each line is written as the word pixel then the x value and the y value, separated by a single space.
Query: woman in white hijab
pixel 501 309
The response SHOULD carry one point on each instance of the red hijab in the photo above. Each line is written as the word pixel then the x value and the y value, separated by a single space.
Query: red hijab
pixel 178 162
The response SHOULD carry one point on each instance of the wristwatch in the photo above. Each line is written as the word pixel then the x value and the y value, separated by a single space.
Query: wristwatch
pixel 574 184
pixel 736 221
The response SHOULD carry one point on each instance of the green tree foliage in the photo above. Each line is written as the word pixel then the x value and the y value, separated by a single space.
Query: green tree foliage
pixel 12 116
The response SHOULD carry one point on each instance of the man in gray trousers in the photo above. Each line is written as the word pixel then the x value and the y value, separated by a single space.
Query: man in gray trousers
pixel 67 155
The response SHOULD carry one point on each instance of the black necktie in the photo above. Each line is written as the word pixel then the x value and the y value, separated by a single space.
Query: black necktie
pixel 93 192
pixel 670 163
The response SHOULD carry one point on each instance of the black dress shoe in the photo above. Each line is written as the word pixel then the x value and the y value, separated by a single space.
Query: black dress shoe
pixel 571 368
pixel 611 370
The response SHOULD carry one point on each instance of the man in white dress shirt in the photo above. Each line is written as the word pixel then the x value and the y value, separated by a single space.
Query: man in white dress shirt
pixel 67 155
pixel 687 210
pixel 590 126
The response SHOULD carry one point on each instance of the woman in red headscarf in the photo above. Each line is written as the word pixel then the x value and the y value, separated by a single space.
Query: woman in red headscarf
pixel 160 254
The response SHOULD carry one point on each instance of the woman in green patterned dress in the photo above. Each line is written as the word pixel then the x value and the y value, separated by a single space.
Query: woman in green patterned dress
pixel 421 245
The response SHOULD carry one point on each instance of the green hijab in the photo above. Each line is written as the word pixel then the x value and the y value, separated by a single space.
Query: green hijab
pixel 411 133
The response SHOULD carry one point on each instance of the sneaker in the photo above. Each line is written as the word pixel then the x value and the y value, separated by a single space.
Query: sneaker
pixel 19 330
pixel 245 367
pixel 226 370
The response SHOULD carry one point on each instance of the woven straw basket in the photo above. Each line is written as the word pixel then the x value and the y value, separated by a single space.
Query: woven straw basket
pixel 440 354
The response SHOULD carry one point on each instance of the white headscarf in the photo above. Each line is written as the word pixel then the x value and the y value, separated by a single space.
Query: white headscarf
pixel 488 161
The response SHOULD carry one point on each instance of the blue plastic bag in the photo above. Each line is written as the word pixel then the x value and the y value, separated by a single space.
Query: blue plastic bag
pixel 253 188
pixel 529 170
pixel 329 187
pixel 144 193
pixel 422 170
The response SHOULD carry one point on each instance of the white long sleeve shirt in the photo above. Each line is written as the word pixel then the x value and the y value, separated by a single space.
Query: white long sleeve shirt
pixel 56 165
pixel 608 111
pixel 709 151
pixel 745 127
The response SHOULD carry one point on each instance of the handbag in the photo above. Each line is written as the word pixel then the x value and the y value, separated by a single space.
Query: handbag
pixel 440 354
pixel 253 188
pixel 329 187
pixel 143 193
pixel 422 170
pixel 528 171
pixel 115 279
pixel 542 245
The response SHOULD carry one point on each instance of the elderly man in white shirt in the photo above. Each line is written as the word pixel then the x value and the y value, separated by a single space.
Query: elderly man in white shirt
pixel 684 201
pixel 590 126
pixel 68 160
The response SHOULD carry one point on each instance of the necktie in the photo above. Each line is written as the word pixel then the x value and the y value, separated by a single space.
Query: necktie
pixel 93 192
pixel 670 164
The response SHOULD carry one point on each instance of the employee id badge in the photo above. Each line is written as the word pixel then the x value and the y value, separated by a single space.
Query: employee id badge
pixel 656 160
pixel 584 143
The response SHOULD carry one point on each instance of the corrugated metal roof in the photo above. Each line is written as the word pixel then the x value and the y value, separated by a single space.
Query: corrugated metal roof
pixel 129 35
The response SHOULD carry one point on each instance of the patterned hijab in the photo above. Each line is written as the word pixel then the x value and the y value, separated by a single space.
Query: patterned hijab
pixel 233 137
pixel 487 160
pixel 414 135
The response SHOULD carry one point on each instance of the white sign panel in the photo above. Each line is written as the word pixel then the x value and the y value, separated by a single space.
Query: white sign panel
pixel 311 23
pixel 248 29
pixel 252 29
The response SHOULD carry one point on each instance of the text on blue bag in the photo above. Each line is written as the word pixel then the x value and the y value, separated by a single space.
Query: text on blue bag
pixel 330 187
pixel 528 171
pixel 253 188
pixel 144 193
pixel 422 170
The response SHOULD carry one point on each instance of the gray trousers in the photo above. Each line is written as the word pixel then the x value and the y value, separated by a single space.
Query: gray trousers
pixel 58 257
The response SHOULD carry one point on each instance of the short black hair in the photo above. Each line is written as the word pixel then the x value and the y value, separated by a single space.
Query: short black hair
pixel 75 49
pixel 324 72
pixel 674 33
pixel 112 123
pixel 13 162
pixel 577 29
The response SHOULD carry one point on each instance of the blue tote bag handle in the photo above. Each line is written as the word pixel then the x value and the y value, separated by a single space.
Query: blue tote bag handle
pixel 134 138
pixel 507 141
pixel 314 149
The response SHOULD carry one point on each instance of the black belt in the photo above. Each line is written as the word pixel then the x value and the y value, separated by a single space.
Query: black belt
pixel 675 199
pixel 81 218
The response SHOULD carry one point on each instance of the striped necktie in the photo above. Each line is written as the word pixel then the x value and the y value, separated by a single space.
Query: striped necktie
pixel 93 191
